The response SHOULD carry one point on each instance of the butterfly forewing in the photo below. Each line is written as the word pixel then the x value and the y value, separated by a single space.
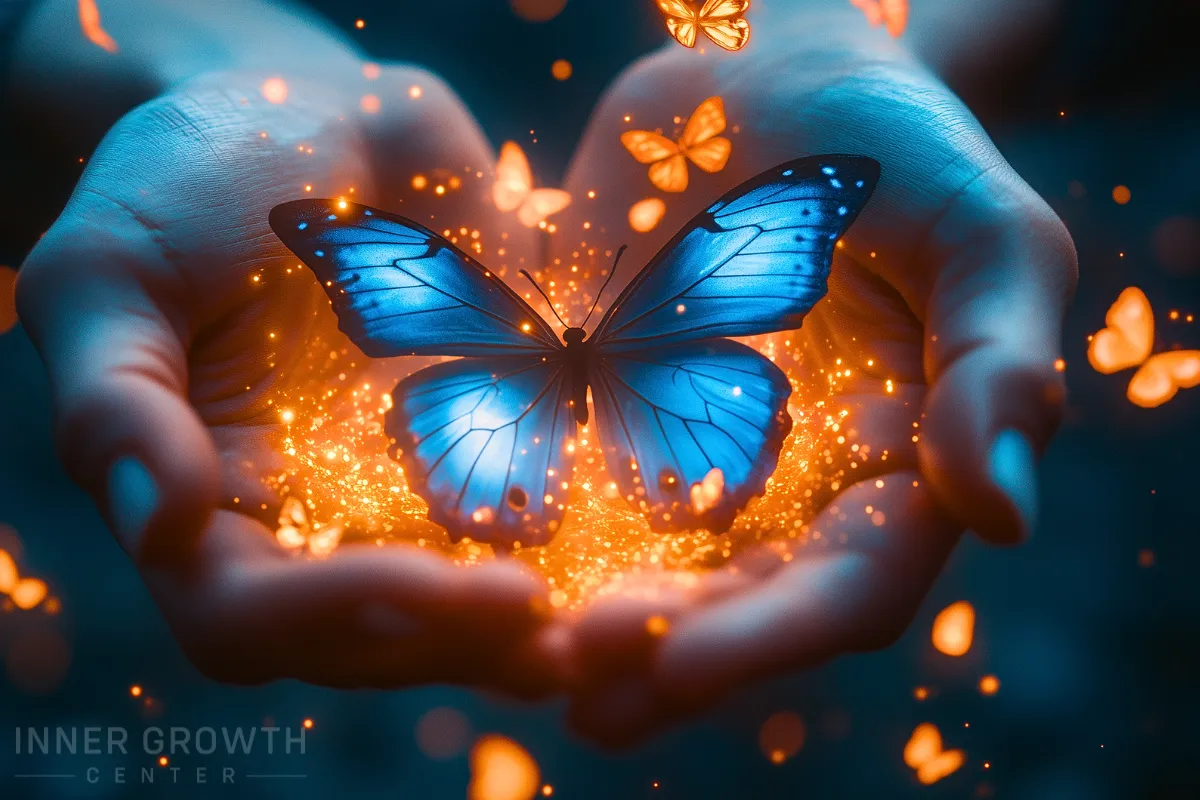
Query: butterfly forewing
pixel 669 416
pixel 754 262
pixel 400 289
pixel 486 443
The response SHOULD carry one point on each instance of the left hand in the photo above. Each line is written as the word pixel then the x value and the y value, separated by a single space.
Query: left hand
pixel 952 284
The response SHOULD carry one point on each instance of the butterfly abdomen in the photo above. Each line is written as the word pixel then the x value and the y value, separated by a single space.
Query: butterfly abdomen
pixel 578 357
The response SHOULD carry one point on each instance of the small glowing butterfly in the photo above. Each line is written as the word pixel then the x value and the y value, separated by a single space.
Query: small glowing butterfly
pixel 25 593
pixel 721 21
pixel 513 189
pixel 1126 342
pixel 701 142
pixel 294 531
pixel 893 14
pixel 924 753
pixel 690 423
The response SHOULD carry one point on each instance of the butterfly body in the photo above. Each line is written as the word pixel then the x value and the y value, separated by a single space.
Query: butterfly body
pixel 578 355
pixel 690 423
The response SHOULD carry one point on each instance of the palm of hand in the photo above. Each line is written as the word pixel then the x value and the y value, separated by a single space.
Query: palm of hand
pixel 180 264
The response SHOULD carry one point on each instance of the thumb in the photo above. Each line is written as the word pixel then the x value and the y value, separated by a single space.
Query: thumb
pixel 1005 268
pixel 110 336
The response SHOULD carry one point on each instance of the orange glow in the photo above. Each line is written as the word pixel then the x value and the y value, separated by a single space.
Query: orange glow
pixel 162 761
pixel 720 20
pixel 371 71
pixel 989 684
pixel 700 142
pixel 369 104
pixel 8 299
pixel 657 625
pixel 8 573
pixel 502 770
pixel 547 791
pixel 644 215
pixel 1121 195
pixel 513 189
pixel 892 14
pixel 1127 340
pixel 781 736
pixel 308 723
pixel 1162 376
pixel 89 20
pixel 537 10
pixel 275 90
pixel 1060 365
pixel 1128 337
pixel 419 182
pixel 360 24
pixel 28 593
pixel 944 763
pixel 415 91
pixel 954 628
pixel 135 691
pixel 561 69
pixel 924 744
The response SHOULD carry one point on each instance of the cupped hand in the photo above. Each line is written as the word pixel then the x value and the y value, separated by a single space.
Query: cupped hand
pixel 169 316
pixel 944 308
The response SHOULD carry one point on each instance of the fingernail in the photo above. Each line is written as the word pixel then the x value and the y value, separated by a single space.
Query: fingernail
pixel 132 500
pixel 1014 471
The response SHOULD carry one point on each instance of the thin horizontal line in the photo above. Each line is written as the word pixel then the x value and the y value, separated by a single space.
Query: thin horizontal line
pixel 43 776
pixel 276 776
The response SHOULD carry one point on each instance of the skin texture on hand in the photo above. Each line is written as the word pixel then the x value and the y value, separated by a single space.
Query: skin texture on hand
pixel 164 353
pixel 952 284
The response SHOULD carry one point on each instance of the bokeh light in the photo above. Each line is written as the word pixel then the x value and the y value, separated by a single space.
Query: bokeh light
pixel 537 10
pixel 954 628
pixel 502 770
pixel 781 736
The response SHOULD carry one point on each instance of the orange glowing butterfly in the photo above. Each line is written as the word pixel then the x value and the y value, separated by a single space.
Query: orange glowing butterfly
pixel 295 531
pixel 700 142
pixel 891 13
pixel 513 189
pixel 925 754
pixel 721 21
pixel 1126 341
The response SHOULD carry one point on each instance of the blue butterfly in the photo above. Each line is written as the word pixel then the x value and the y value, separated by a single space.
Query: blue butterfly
pixel 488 440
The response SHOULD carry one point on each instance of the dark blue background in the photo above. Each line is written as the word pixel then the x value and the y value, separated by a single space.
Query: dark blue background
pixel 1097 656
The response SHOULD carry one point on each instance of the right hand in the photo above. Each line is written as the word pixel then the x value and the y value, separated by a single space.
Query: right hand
pixel 163 351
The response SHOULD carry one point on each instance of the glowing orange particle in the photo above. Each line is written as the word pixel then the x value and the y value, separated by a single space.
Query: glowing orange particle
pixel 537 10
pixel 135 691
pixel 561 69
pixel 502 770
pixel 924 744
pixel 415 91
pixel 1121 195
pixel 89 20
pixel 989 684
pixel 369 104
pixel 275 90
pixel 360 24
pixel 645 215
pixel 308 723
pixel 954 628
pixel 371 71
pixel 28 593
pixel 657 625
pixel 945 763
pixel 419 182
pixel 1060 365
pixel 921 693
pixel 162 761
pixel 781 736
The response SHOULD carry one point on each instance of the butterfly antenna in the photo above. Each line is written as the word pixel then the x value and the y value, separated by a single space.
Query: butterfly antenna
pixel 607 280
pixel 529 278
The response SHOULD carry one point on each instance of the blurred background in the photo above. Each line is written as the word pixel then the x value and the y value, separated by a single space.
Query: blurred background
pixel 1091 631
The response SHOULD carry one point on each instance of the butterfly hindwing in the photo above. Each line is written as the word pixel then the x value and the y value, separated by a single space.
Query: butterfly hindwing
pixel 754 262
pixel 401 289
pixel 485 443
pixel 669 416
